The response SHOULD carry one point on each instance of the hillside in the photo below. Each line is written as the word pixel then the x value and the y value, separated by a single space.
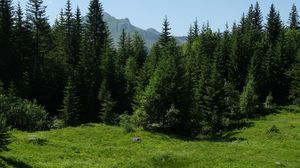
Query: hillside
pixel 98 145
pixel 117 25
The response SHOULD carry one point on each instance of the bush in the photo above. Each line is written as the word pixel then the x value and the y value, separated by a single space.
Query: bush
pixel 23 114
pixel 57 124
pixel 126 123
pixel 269 104
pixel 37 140
pixel 273 129
pixel 166 159
pixel 4 135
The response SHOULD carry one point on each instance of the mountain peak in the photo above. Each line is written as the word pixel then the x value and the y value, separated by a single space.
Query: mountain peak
pixel 116 27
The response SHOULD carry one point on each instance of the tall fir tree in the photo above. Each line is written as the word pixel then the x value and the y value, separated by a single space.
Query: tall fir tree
pixel 273 26
pixel 6 42
pixel 294 18
pixel 77 37
pixel 257 18
pixel 295 85
pixel 68 36
pixel 139 50
pixel 130 75
pixel 23 44
pixel 94 38
pixel 96 29
pixel 163 104
pixel 165 36
pixel 109 91
pixel 39 88
pixel 36 13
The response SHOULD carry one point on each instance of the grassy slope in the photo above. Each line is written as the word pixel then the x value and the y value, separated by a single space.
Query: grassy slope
pixel 105 146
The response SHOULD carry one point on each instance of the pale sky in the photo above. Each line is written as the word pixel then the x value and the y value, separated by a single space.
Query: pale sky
pixel 181 13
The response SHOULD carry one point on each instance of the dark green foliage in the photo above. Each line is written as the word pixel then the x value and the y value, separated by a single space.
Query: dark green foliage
pixel 249 99
pixel 23 114
pixel 295 85
pixel 4 134
pixel 210 96
pixel 164 102
pixel 130 76
pixel 107 114
pixel 23 43
pixel 273 130
pixel 274 25
pixel 231 102
pixel 7 57
pixel 294 18
pixel 126 123
pixel 242 49
pixel 165 36
pixel 257 18
pixel 193 32
pixel 36 13
pixel 139 50
pixel 95 37
pixel 70 110
pixel 96 30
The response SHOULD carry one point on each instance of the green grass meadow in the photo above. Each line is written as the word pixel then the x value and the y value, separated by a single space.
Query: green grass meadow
pixel 97 146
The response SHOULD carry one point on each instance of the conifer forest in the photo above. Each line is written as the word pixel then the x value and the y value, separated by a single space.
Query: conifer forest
pixel 71 73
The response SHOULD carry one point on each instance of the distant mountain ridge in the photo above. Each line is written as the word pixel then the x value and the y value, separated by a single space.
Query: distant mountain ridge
pixel 116 26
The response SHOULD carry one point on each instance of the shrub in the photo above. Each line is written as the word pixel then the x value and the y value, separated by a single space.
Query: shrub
pixel 273 129
pixel 37 140
pixel 126 123
pixel 57 124
pixel 23 114
pixel 4 135
pixel 166 159
pixel 269 104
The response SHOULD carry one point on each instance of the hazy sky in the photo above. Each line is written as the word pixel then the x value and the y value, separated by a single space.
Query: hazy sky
pixel 181 13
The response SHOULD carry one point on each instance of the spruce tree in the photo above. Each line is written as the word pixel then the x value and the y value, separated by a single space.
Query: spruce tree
pixel 36 13
pixel 242 51
pixel 273 26
pixel 165 36
pixel 259 69
pixel 107 113
pixel 6 42
pixel 130 75
pixel 148 69
pixel 70 110
pixel 68 37
pixel 96 29
pixel 222 53
pixel 249 99
pixel 163 104
pixel 139 50
pixel 23 51
pixel 110 95
pixel 257 18
pixel 95 37
pixel 295 85
pixel 38 87
pixel 77 37
pixel 294 18
pixel 122 52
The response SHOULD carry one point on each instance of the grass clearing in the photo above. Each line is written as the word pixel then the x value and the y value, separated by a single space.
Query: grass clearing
pixel 97 145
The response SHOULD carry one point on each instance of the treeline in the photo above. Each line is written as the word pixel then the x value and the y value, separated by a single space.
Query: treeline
pixel 207 86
